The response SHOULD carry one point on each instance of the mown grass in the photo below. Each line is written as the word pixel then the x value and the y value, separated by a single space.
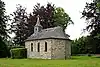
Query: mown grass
pixel 76 61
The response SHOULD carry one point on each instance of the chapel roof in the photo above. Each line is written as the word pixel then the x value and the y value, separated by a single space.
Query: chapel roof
pixel 55 32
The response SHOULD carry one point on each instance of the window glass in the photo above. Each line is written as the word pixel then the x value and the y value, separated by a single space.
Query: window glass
pixel 45 46
pixel 38 47
pixel 31 46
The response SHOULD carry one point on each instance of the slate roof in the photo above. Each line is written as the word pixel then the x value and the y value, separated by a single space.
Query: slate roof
pixel 56 32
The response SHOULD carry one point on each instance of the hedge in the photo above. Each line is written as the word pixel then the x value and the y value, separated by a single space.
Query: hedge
pixel 18 53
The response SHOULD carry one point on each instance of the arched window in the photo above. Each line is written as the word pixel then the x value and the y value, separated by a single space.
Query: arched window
pixel 38 47
pixel 31 46
pixel 45 46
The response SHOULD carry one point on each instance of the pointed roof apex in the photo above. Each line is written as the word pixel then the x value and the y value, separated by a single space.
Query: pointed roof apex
pixel 38 21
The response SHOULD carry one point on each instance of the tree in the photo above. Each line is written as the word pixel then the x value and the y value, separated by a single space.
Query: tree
pixel 3 30
pixel 79 46
pixel 19 25
pixel 84 45
pixel 91 13
pixel 60 18
pixel 3 19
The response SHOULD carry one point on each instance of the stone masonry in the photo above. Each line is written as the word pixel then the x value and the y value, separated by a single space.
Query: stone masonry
pixel 56 49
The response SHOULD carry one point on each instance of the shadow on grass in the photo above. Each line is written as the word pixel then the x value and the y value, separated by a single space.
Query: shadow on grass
pixel 97 57
pixel 73 58
pixel 83 57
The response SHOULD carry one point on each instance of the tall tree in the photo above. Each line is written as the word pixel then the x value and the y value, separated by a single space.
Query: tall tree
pixel 3 19
pixel 91 13
pixel 18 25
pixel 3 30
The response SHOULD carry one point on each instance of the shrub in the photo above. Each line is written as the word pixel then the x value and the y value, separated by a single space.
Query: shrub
pixel 18 53
pixel 13 47
pixel 74 49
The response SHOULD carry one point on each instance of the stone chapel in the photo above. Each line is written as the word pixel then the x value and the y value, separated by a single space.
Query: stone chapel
pixel 50 43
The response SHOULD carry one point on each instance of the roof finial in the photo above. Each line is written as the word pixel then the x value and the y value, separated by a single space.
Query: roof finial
pixel 38 21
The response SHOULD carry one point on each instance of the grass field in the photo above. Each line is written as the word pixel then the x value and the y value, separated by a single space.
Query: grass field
pixel 76 61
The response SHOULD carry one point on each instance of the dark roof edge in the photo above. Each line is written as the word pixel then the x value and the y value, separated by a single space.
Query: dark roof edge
pixel 48 38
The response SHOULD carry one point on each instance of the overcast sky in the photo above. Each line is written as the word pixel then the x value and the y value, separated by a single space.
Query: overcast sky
pixel 71 7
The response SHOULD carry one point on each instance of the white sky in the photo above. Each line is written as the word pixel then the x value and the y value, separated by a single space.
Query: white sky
pixel 71 7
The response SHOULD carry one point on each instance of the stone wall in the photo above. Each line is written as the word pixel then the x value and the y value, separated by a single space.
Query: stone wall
pixel 42 53
pixel 56 49
pixel 59 49
pixel 68 49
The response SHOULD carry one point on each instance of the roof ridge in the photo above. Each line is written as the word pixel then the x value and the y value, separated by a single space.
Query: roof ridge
pixel 51 28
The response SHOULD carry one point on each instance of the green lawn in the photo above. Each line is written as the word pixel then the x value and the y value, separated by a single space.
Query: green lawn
pixel 76 61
